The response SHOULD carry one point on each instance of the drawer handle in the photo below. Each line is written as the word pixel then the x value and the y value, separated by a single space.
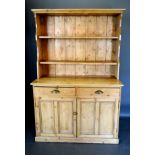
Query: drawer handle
pixel 56 91
pixel 75 113
pixel 98 92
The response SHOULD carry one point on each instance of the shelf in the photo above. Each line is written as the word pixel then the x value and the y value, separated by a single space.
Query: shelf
pixel 50 37
pixel 78 11
pixel 78 81
pixel 80 62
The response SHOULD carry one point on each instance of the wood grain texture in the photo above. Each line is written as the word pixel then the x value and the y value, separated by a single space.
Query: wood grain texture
pixel 37 115
pixel 51 92
pixel 106 117
pixel 47 116
pixel 78 62
pixel 56 117
pixel 86 117
pixel 77 93
pixel 91 92
pixel 51 26
pixel 80 82
pixel 78 11
pixel 80 26
pixel 78 38
pixel 65 116
pixel 79 140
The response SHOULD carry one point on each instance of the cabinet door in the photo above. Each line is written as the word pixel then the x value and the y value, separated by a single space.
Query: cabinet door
pixel 55 117
pixel 45 117
pixel 97 118
pixel 86 117
pixel 108 117
pixel 66 110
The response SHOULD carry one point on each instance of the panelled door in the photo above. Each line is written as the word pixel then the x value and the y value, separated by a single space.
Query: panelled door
pixel 55 117
pixel 97 118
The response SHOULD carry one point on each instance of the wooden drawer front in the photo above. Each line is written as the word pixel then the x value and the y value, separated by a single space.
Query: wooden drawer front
pixel 98 92
pixel 53 92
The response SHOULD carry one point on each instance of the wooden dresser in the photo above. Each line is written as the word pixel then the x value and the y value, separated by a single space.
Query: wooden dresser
pixel 77 91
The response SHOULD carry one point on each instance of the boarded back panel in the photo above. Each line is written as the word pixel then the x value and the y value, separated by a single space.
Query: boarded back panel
pixel 110 26
pixel 79 49
pixel 69 26
pixel 81 26
pixel 70 56
pixel 51 26
pixel 91 49
pixel 90 70
pixel 101 56
pixel 80 56
pixel 91 26
pixel 59 26
pixel 51 70
pixel 59 44
pixel 80 70
pixel 51 56
pixel 60 55
pixel 101 26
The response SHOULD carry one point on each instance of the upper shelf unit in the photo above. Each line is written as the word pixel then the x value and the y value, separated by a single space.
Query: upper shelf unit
pixel 78 42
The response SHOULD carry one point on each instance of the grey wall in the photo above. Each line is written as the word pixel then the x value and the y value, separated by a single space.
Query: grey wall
pixel 31 46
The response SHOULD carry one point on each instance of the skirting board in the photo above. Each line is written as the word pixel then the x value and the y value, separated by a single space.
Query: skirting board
pixel 77 140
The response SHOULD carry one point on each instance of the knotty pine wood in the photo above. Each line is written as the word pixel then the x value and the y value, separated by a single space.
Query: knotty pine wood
pixel 78 140
pixel 79 62
pixel 50 92
pixel 90 92
pixel 78 11
pixel 77 92
pixel 75 49
pixel 55 117
pixel 50 37
pixel 96 118
pixel 79 81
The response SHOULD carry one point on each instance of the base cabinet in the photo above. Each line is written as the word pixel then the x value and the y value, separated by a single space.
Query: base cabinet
pixel 76 119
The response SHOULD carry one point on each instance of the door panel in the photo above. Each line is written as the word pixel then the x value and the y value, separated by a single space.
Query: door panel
pixel 56 117
pixel 97 118
pixel 65 117
pixel 106 117
pixel 86 116
pixel 47 117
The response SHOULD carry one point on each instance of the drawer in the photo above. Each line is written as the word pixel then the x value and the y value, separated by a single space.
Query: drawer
pixel 98 92
pixel 53 92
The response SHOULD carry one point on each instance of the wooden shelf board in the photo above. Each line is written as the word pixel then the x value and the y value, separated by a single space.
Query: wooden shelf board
pixel 50 37
pixel 77 82
pixel 80 62
pixel 78 11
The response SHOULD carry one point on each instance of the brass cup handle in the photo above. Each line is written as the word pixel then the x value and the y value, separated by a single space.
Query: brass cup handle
pixel 99 92
pixel 56 91
pixel 75 113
